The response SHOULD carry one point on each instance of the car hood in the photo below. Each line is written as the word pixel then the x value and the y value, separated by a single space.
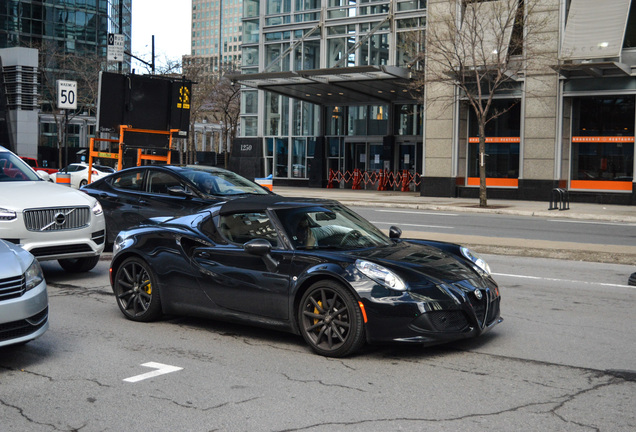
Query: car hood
pixel 31 194
pixel 13 260
pixel 417 261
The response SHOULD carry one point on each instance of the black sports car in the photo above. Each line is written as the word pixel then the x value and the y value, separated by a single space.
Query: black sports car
pixel 307 266
pixel 133 195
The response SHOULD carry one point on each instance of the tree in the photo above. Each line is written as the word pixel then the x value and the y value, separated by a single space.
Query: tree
pixel 215 98
pixel 55 63
pixel 480 47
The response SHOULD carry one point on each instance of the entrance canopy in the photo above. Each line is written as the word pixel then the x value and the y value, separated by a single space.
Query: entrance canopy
pixel 336 86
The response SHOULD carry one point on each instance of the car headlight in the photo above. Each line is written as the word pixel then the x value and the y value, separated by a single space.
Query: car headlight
pixel 97 209
pixel 381 275
pixel 479 262
pixel 7 215
pixel 33 275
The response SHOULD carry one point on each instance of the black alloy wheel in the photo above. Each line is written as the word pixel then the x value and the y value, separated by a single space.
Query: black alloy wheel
pixel 136 291
pixel 330 320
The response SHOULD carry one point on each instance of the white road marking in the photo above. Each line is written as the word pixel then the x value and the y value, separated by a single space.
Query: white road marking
pixel 418 212
pixel 413 225
pixel 161 369
pixel 565 280
pixel 590 222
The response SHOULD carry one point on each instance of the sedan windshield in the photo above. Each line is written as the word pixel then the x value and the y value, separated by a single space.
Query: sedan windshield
pixel 330 227
pixel 12 169
pixel 223 183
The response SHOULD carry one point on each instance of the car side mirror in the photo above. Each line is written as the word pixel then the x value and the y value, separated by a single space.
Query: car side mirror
pixel 262 248
pixel 395 232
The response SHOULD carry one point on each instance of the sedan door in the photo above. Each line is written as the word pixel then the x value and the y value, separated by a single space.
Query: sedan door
pixel 157 201
pixel 119 197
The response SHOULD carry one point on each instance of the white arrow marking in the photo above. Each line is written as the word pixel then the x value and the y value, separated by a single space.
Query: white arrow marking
pixel 161 369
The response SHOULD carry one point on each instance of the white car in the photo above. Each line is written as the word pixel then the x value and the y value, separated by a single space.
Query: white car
pixel 24 303
pixel 51 221
pixel 79 173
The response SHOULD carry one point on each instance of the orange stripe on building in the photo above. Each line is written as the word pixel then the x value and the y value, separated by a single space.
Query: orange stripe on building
pixel 496 140
pixel 603 139
pixel 601 185
pixel 494 182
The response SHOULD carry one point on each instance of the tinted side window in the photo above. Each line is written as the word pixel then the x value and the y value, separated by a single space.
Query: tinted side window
pixel 159 182
pixel 128 181
pixel 243 227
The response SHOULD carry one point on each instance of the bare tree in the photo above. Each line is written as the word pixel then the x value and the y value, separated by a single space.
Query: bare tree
pixel 57 64
pixel 479 47
pixel 215 98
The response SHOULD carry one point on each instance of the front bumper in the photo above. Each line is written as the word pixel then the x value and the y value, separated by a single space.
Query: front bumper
pixel 410 319
pixel 24 318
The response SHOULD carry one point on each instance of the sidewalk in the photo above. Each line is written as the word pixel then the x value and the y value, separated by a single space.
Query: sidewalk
pixel 370 198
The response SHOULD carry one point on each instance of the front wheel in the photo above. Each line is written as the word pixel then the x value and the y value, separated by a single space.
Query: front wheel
pixel 136 291
pixel 79 265
pixel 330 320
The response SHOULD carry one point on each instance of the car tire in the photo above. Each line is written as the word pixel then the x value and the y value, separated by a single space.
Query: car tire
pixel 136 291
pixel 334 331
pixel 632 279
pixel 79 265
pixel 83 183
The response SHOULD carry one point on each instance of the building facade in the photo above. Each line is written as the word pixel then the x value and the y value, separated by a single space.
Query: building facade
pixel 70 26
pixel 217 33
pixel 327 88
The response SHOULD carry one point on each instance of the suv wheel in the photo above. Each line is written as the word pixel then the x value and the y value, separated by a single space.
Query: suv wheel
pixel 79 265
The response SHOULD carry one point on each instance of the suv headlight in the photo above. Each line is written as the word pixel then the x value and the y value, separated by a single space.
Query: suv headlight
pixel 381 275
pixel 479 262
pixel 97 209
pixel 33 275
pixel 7 215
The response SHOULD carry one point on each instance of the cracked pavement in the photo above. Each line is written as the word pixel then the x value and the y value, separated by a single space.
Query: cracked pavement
pixel 559 362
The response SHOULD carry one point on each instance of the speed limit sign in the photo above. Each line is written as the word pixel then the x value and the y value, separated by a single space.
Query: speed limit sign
pixel 66 94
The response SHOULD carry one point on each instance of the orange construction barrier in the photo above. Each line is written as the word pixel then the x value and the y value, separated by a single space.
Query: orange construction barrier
pixel 357 179
pixel 331 178
pixel 405 181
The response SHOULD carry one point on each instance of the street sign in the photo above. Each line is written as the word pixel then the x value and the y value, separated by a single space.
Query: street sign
pixel 115 47
pixel 66 94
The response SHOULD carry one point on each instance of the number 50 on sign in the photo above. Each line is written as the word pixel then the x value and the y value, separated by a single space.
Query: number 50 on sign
pixel 66 94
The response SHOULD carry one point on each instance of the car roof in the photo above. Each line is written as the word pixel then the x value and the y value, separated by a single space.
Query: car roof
pixel 273 202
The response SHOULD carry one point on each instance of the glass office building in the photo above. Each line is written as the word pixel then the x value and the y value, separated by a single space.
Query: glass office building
pixel 326 87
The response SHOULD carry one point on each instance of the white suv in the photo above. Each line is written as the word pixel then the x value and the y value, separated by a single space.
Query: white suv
pixel 51 221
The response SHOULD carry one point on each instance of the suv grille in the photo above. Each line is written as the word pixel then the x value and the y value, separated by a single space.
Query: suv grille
pixel 12 287
pixel 57 219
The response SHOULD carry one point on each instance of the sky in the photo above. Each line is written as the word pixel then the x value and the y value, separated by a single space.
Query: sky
pixel 169 21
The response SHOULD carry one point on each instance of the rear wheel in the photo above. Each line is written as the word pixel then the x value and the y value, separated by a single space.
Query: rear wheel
pixel 83 183
pixel 136 291
pixel 632 279
pixel 330 320
pixel 79 265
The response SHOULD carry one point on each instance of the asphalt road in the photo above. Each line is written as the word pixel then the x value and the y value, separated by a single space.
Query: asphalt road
pixel 563 359
pixel 570 239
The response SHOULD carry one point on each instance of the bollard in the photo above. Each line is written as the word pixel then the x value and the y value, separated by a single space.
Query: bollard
pixel 63 179
pixel 559 199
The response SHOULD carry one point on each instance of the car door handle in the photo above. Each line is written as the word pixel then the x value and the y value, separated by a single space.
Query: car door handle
pixel 143 202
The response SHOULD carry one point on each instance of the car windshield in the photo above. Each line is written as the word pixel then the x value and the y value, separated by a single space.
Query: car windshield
pixel 12 169
pixel 224 183
pixel 330 227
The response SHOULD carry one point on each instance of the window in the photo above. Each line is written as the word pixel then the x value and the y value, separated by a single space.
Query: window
pixel 128 181
pixel 243 227
pixel 160 182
